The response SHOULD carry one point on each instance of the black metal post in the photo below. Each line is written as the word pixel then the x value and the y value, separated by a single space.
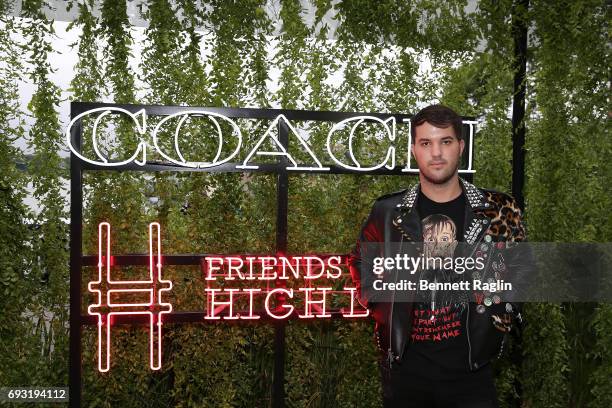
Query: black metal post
pixel 76 248
pixel 282 200
pixel 519 33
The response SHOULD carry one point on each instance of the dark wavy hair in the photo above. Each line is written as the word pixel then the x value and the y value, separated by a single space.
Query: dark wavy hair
pixel 439 116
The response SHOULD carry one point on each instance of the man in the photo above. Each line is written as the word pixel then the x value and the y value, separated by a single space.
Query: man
pixel 436 347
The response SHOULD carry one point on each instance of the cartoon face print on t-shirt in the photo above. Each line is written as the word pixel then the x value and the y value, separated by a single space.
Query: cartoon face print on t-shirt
pixel 439 236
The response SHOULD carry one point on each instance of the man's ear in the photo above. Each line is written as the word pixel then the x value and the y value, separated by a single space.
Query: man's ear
pixel 461 146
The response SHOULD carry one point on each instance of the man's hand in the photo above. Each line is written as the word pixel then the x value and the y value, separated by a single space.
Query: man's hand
pixel 503 324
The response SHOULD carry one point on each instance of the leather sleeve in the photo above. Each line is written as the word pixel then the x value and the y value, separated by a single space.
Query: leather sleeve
pixel 360 260
pixel 521 262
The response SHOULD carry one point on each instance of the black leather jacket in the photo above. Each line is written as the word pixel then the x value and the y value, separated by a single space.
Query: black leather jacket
pixel 394 219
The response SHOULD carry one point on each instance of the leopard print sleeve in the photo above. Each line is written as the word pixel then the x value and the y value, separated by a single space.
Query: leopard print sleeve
pixel 515 222
pixel 506 217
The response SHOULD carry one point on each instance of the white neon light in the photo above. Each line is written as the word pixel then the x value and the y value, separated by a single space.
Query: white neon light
pixel 271 267
pixel 219 136
pixel 212 308
pixel 94 133
pixel 249 260
pixel 265 267
pixel 350 141
pixel 236 269
pixel 361 119
pixel 210 268
pixel 111 291
pixel 471 123
pixel 288 307
pixel 168 287
pixel 309 266
pixel 199 164
pixel 287 263
pixel 141 125
pixel 155 319
pixel 104 161
pixel 335 266
pixel 270 132
pixel 106 359
pixel 308 302
pixel 352 313
pixel 251 292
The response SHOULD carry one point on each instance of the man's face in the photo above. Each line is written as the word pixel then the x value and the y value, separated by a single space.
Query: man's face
pixel 437 152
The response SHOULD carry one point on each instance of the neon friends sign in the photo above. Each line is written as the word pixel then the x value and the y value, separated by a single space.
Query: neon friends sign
pixel 146 146
pixel 236 287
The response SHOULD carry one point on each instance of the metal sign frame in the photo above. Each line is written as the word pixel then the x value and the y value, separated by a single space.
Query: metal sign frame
pixel 78 260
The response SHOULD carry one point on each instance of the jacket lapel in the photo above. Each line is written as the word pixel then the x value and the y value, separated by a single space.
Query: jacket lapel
pixel 407 220
pixel 476 222
pixel 406 217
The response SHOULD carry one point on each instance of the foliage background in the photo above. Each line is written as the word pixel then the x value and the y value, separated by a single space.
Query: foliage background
pixel 564 358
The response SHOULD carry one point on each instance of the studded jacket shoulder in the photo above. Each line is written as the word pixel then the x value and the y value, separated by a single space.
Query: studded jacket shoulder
pixel 491 216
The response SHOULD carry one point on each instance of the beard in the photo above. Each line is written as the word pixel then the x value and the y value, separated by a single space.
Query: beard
pixel 441 178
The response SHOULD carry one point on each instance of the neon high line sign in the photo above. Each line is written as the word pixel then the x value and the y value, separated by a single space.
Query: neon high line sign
pixel 139 156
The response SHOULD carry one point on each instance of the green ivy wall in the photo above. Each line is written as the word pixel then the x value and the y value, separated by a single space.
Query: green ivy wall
pixel 564 358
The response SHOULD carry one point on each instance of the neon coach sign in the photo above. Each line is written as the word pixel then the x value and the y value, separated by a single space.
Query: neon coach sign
pixel 139 156
pixel 236 288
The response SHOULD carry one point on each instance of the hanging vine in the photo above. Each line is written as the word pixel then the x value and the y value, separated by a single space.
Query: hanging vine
pixel 18 287
pixel 47 175
pixel 568 161
pixel 223 54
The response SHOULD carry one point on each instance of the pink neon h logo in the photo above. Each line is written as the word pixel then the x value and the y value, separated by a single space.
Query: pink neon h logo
pixel 108 288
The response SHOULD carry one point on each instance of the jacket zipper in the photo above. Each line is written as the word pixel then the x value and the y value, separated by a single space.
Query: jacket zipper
pixel 433 298
pixel 467 332
pixel 390 356
pixel 467 317
pixel 467 321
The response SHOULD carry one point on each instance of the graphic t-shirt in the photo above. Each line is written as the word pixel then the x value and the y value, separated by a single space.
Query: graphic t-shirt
pixel 438 320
